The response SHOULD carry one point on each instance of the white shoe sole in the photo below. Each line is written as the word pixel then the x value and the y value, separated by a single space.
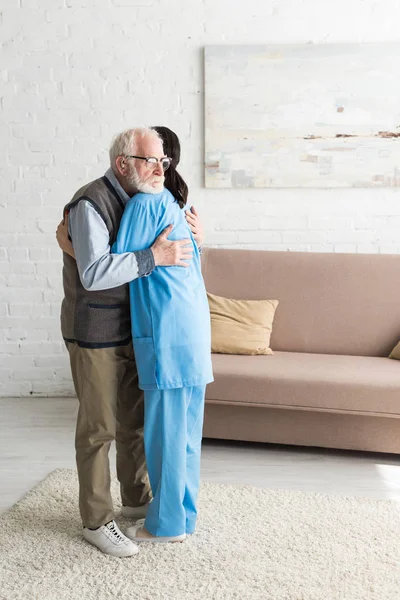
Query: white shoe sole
pixel 131 533
pixel 122 554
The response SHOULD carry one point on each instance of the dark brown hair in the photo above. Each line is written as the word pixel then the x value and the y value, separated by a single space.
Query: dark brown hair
pixel 173 180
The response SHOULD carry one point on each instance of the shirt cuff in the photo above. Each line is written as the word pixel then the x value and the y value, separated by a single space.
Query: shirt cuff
pixel 145 262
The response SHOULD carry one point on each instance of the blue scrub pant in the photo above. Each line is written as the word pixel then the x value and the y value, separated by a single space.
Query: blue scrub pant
pixel 173 425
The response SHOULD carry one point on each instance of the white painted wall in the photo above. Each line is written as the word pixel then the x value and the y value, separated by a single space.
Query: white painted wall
pixel 74 72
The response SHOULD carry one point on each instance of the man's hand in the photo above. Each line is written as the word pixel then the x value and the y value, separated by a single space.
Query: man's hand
pixel 168 253
pixel 193 219
pixel 62 237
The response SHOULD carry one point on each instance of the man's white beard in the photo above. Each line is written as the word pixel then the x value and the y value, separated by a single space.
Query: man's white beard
pixel 147 187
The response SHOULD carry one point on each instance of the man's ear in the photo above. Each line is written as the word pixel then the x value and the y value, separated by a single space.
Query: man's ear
pixel 121 165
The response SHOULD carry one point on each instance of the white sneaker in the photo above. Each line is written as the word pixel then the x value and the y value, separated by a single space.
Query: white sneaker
pixel 110 540
pixel 134 512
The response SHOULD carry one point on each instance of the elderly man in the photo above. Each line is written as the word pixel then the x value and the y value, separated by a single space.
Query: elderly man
pixel 95 322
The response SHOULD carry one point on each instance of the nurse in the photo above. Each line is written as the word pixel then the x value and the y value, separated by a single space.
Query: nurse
pixel 171 339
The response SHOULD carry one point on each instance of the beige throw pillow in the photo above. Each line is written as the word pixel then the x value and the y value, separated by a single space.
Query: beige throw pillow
pixel 395 353
pixel 241 326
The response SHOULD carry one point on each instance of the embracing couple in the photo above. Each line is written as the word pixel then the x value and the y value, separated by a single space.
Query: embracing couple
pixel 136 323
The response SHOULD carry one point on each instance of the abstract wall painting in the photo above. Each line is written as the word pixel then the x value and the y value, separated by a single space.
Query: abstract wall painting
pixel 316 116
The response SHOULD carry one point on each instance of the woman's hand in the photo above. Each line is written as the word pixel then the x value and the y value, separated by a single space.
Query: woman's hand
pixel 193 219
pixel 62 238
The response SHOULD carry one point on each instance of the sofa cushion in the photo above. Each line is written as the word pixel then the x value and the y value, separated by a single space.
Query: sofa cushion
pixel 241 326
pixel 395 353
pixel 310 381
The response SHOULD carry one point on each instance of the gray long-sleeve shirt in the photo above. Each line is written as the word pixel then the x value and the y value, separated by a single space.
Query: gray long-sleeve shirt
pixel 98 268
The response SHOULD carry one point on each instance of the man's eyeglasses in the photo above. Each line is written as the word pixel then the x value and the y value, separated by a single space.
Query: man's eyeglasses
pixel 152 161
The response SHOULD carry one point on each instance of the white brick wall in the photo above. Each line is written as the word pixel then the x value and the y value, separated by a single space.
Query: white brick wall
pixel 74 72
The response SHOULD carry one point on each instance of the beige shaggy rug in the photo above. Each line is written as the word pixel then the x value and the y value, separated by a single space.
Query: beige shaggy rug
pixel 250 543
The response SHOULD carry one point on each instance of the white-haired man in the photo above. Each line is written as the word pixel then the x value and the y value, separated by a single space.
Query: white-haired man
pixel 95 322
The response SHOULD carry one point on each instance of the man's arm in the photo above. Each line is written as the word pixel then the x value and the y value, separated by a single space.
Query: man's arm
pixel 165 253
pixel 98 268
pixel 96 253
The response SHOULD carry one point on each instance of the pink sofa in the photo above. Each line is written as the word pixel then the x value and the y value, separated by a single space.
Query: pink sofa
pixel 329 382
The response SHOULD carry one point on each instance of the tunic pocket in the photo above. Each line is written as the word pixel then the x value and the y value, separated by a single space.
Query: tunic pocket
pixel 145 360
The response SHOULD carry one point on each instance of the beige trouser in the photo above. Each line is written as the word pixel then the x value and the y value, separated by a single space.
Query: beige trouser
pixel 111 406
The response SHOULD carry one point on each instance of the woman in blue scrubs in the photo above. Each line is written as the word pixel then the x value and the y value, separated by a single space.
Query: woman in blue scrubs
pixel 171 339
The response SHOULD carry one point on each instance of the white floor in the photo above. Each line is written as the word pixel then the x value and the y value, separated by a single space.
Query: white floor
pixel 37 436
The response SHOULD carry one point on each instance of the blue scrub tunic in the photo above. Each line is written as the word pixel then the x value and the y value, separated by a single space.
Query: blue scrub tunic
pixel 169 309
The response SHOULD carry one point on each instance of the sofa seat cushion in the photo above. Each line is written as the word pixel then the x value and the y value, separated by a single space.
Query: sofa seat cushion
pixel 310 381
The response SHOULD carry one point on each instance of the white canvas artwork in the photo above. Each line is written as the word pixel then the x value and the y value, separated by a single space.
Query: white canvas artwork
pixel 302 116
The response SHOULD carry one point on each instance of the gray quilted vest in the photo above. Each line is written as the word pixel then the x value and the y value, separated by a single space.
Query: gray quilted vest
pixel 95 319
